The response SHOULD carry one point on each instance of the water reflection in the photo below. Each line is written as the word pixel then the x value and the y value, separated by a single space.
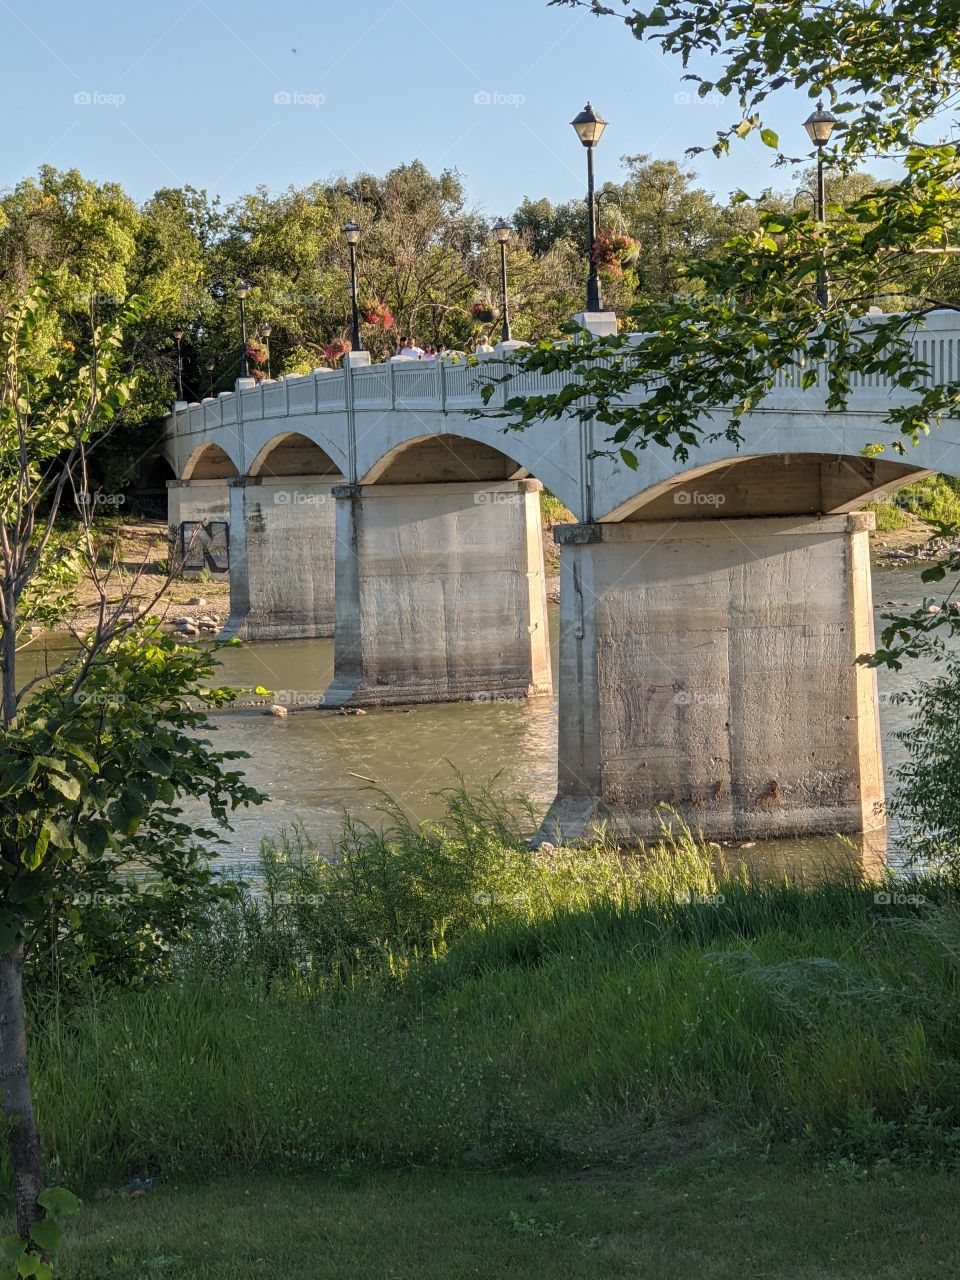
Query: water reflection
pixel 813 859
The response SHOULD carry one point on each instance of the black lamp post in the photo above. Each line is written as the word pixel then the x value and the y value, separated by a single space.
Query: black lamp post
pixel 265 331
pixel 589 125
pixel 351 233
pixel 241 291
pixel 819 125
pixel 210 369
pixel 503 231
pixel 178 336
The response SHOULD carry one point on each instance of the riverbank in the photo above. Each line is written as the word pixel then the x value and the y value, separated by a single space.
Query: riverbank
pixel 445 1054
pixel 730 1211
pixel 138 552
pixel 442 996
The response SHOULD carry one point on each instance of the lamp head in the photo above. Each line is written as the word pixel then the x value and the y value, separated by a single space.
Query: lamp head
pixel 589 125
pixel 819 125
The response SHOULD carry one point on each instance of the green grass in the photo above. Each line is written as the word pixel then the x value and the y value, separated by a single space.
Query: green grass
pixel 724 1214
pixel 936 498
pixel 552 510
pixel 443 997
pixel 890 518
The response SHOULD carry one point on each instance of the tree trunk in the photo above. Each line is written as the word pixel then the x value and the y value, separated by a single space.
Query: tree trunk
pixel 8 666
pixel 19 1120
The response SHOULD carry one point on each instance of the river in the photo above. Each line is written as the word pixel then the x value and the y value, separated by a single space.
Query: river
pixel 320 767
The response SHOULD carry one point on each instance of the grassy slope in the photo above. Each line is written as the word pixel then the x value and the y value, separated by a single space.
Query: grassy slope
pixel 718 1216
pixel 515 1035
pixel 935 498
pixel 559 1039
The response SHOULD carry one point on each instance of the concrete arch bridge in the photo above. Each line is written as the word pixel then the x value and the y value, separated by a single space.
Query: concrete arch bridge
pixel 710 614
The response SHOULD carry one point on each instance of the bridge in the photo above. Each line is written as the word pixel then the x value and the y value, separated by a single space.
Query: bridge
pixel 710 614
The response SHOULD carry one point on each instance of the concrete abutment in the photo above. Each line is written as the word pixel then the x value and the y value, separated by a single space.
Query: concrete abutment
pixel 710 666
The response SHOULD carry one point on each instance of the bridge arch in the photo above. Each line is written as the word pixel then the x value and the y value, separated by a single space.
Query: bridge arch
pixel 443 459
pixel 293 454
pixel 475 452
pixel 774 484
pixel 209 462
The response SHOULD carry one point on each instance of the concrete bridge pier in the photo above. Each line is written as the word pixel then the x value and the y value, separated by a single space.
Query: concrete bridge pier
pixel 440 593
pixel 197 511
pixel 709 665
pixel 281 558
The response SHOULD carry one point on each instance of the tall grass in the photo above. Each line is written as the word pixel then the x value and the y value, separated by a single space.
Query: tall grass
pixel 552 510
pixel 890 517
pixel 444 995
pixel 935 498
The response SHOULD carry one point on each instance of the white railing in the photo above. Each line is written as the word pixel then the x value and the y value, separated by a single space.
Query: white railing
pixel 446 386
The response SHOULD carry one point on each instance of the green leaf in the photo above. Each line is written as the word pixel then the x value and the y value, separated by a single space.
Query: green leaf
pixel 47 1234
pixel 33 853
pixel 61 832
pixel 935 573
pixel 769 138
pixel 58 1201
pixel 29 1264
pixel 11 1248
pixel 68 787
pixel 16 775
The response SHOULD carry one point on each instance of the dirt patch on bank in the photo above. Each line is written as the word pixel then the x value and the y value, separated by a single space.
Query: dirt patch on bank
pixel 139 554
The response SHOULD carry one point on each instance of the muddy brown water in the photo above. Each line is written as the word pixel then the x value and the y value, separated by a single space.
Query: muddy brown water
pixel 316 768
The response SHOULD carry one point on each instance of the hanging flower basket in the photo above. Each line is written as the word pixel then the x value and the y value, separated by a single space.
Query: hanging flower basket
pixel 483 312
pixel 374 313
pixel 337 350
pixel 613 254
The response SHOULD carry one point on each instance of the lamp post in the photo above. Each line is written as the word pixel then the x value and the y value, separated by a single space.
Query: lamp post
pixel 351 233
pixel 242 290
pixel 178 336
pixel 265 331
pixel 589 125
pixel 210 369
pixel 503 231
pixel 819 125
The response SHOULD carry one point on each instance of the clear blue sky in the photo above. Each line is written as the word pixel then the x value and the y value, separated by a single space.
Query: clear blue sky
pixel 185 91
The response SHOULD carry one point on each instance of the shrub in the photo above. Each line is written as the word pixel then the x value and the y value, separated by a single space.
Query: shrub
pixel 926 794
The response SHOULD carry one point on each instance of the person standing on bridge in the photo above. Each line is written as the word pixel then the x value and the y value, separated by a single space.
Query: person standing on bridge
pixel 408 351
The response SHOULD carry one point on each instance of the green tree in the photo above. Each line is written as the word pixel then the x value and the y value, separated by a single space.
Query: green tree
pixel 419 238
pixel 752 308
pixel 926 803
pixel 888 70
pixel 97 753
